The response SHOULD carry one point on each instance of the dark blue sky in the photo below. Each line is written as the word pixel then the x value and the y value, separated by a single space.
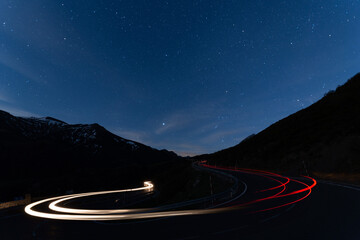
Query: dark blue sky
pixel 190 76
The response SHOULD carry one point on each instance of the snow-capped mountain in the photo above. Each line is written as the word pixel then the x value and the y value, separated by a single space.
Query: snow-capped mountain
pixel 34 149
pixel 88 135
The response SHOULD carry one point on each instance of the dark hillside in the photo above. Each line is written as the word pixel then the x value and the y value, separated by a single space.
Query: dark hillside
pixel 46 155
pixel 323 139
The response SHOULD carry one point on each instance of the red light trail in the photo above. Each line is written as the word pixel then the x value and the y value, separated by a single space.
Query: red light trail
pixel 272 176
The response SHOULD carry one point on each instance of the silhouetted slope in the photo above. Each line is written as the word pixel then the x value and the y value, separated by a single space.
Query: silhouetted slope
pixel 324 137
pixel 47 155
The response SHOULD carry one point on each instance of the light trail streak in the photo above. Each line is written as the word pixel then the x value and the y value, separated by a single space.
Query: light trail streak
pixel 308 188
pixel 274 196
pixel 255 172
pixel 104 215
pixel 66 213
pixel 53 205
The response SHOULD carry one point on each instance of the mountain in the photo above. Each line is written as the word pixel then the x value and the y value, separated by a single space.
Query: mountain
pixel 43 155
pixel 321 140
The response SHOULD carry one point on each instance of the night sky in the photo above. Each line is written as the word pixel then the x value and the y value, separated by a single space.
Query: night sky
pixel 189 76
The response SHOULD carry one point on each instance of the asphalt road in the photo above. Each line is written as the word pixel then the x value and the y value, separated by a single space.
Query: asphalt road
pixel 330 212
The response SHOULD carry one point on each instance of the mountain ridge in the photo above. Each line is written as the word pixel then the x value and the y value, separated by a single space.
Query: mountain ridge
pixel 39 152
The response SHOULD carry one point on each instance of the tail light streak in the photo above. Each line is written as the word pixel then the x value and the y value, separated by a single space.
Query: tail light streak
pixel 279 194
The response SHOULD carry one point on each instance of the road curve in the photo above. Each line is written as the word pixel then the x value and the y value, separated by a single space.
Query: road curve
pixel 274 207
pixel 68 213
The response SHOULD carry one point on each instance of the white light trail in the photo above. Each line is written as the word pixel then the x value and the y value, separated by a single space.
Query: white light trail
pixel 53 205
pixel 106 214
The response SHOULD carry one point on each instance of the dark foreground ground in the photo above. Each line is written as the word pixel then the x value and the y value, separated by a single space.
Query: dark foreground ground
pixel 330 212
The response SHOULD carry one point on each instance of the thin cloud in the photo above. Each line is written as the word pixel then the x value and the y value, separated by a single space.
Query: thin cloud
pixel 17 112
pixel 174 121
pixel 10 61
pixel 4 98
pixel 182 119
pixel 138 136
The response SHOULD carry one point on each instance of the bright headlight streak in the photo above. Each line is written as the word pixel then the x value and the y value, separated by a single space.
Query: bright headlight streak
pixel 53 206
pixel 102 216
